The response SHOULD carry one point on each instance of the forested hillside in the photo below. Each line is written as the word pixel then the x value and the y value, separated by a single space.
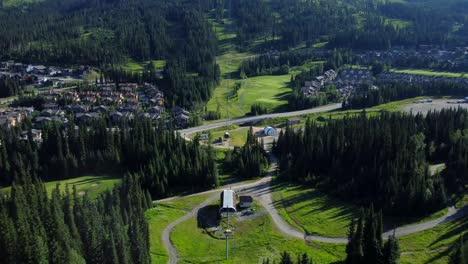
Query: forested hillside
pixel 365 24
pixel 71 229
pixel 381 160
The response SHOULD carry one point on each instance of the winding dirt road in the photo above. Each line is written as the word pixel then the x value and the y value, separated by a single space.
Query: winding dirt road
pixel 261 191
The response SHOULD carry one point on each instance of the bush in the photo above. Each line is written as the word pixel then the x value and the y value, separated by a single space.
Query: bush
pixel 212 115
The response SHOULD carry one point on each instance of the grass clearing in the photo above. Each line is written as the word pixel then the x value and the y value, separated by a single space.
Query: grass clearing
pixel 433 245
pixel 270 91
pixel 253 241
pixel 134 66
pixel 317 213
pixel 431 73
pixel 313 211
pixel 238 136
pixel 91 185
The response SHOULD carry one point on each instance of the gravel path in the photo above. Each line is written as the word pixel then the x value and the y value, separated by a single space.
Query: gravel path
pixel 166 236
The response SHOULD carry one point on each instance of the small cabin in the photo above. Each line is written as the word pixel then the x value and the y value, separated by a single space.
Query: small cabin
pixel 294 121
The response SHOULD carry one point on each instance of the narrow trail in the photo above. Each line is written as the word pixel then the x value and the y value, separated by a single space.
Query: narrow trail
pixel 166 235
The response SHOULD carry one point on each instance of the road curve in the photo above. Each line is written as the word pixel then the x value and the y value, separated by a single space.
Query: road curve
pixel 166 235
pixel 261 191
pixel 241 120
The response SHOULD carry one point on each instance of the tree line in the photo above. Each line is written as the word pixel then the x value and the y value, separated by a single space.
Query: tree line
pixel 381 159
pixel 9 86
pixel 69 228
pixel 365 241
pixel 249 161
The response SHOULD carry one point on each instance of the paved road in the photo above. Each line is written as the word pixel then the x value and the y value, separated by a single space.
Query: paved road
pixel 241 120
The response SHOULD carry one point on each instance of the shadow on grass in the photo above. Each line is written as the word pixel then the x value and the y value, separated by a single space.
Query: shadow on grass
pixel 208 217
pixel 457 228
pixel 341 210
pixel 439 255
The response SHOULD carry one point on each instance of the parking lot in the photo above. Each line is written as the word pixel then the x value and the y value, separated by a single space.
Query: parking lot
pixel 436 104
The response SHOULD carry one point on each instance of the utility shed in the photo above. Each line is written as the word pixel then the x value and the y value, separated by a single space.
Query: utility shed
pixel 245 201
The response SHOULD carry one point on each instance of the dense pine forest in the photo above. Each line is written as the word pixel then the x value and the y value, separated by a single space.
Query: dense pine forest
pixel 68 228
pixel 249 161
pixel 383 159
pixel 359 24
pixel 165 161
pixel 9 87
pixel 365 241
pixel 107 32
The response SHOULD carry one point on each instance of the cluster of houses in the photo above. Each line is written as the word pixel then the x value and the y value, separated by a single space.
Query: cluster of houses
pixel 41 75
pixel 313 87
pixel 117 102
pixel 413 78
pixel 10 117
pixel 350 80
pixel 346 83
pixel 454 56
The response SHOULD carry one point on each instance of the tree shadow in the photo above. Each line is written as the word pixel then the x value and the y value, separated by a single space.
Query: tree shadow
pixel 438 256
pixel 458 227
pixel 208 217
pixel 337 210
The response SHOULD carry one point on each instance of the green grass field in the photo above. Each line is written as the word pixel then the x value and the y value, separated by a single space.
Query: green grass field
pixel 161 216
pixel 16 3
pixel 269 91
pixel 91 185
pixel 317 213
pixel 253 241
pixel 433 245
pixel 238 136
pixel 134 66
pixel 430 73
pixel 313 211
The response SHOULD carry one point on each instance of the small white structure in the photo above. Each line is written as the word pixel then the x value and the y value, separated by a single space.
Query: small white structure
pixel 269 131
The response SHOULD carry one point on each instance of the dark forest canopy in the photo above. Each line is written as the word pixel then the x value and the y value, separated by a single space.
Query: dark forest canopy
pixel 102 32
pixel 360 24
pixel 68 228
pixel 166 161
pixel 381 159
